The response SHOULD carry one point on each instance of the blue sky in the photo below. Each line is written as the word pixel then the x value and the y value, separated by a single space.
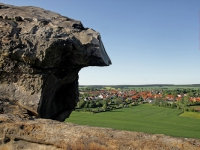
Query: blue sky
pixel 148 41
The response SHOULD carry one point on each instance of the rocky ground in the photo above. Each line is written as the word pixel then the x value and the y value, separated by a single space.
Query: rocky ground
pixel 46 134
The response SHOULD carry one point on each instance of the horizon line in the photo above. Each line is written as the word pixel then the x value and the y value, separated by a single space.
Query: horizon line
pixel 136 84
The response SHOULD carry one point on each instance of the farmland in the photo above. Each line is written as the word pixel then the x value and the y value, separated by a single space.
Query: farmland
pixel 143 118
pixel 143 87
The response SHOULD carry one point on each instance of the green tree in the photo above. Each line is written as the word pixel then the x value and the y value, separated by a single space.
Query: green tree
pixel 140 99
pixel 191 94
pixel 92 104
pixel 118 101
pixel 104 106
pixel 81 103
pixel 86 94
pixel 87 104
pixel 173 105
pixel 184 103
pixel 99 104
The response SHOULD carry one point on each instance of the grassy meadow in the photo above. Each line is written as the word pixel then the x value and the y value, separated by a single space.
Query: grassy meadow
pixel 191 115
pixel 143 118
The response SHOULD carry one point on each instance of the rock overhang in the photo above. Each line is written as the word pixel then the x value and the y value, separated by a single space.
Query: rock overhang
pixel 41 53
pixel 39 31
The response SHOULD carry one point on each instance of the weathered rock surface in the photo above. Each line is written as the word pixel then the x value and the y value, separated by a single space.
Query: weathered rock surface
pixel 45 134
pixel 41 53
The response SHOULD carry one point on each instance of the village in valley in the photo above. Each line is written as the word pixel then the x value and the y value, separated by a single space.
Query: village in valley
pixel 108 98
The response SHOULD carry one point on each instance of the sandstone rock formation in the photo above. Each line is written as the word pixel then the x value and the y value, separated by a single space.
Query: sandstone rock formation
pixel 41 53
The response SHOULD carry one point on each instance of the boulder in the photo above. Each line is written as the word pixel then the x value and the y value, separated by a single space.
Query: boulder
pixel 41 53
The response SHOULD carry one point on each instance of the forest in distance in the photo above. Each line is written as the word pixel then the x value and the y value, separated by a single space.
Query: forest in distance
pixel 143 86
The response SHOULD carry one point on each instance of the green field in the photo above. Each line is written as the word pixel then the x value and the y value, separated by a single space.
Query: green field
pixel 142 118
pixel 191 115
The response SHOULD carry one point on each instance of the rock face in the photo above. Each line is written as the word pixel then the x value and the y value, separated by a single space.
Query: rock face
pixel 41 53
